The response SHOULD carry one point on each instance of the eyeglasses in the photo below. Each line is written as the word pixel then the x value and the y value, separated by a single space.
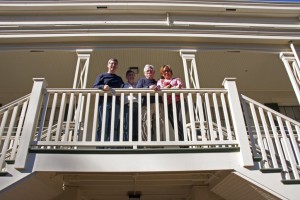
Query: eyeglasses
pixel 165 71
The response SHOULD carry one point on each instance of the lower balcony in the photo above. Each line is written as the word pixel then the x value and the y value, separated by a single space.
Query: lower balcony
pixel 215 135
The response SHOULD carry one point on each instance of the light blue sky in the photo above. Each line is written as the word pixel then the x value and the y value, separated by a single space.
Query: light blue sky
pixel 280 0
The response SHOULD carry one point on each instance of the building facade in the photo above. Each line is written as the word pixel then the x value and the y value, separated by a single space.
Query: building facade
pixel 240 104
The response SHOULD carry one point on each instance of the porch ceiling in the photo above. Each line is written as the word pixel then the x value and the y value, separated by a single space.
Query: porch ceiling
pixel 151 186
pixel 216 185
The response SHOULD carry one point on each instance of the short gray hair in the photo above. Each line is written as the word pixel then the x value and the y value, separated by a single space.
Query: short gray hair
pixel 148 66
pixel 114 60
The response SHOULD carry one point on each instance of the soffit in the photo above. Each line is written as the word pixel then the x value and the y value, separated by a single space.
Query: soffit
pixel 242 7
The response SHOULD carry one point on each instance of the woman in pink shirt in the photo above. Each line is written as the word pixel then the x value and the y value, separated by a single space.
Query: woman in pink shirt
pixel 168 82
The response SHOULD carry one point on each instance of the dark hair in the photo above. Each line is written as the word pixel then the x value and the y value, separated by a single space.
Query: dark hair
pixel 129 71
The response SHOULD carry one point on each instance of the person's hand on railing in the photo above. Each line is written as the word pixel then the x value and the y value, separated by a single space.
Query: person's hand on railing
pixel 106 87
pixel 154 87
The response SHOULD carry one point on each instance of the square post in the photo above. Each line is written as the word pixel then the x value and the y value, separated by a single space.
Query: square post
pixel 238 121
pixel 30 123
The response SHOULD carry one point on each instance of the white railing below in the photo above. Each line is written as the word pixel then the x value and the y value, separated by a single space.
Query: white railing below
pixel 69 118
pixel 11 124
pixel 274 138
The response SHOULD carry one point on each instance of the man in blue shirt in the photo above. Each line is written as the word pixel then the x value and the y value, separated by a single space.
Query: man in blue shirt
pixel 106 82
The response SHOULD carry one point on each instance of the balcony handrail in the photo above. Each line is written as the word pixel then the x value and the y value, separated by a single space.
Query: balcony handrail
pixel 11 115
pixel 14 103
pixel 74 113
pixel 134 90
pixel 120 92
pixel 270 110
pixel 274 138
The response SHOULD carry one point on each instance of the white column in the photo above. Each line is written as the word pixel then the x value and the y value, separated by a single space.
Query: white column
pixel 190 71
pixel 30 123
pixel 293 71
pixel 82 68
pixel 80 80
pixel 238 122
pixel 295 53
pixel 191 81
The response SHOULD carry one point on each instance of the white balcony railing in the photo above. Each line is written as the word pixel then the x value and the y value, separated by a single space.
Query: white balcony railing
pixel 70 119
pixel 274 138
pixel 67 119
pixel 11 124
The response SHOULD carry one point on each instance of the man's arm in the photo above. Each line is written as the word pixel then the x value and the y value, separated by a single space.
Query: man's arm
pixel 139 84
pixel 99 82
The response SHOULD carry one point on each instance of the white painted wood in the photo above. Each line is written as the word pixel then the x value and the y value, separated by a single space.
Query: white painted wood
pixel 295 54
pixel 7 140
pixel 294 142
pixel 142 162
pixel 190 71
pixel 103 116
pixel 269 141
pixel 298 132
pixel 3 122
pixel 174 117
pixel 148 119
pixel 130 117
pixel 289 152
pixel 217 114
pixel 121 129
pixel 158 132
pixel 140 115
pixel 291 76
pixel 209 118
pixel 167 128
pixel 277 142
pixel 192 133
pixel 270 110
pixel 194 67
pixel 249 126
pixel 60 117
pixel 77 116
pixel 30 122
pixel 81 72
pixel 183 112
pixel 133 143
pixel 95 118
pixel 43 116
pixel 226 117
pixel 286 174
pixel 238 121
pixel 113 113
pixel 52 114
pixel 86 118
pixel 69 118
pixel 293 148
pixel 18 132
pixel 201 117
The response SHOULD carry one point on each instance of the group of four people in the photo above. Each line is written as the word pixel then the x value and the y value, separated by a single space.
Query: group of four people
pixel 107 81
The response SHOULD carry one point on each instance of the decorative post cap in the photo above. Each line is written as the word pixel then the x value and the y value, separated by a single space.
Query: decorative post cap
pixel 228 79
